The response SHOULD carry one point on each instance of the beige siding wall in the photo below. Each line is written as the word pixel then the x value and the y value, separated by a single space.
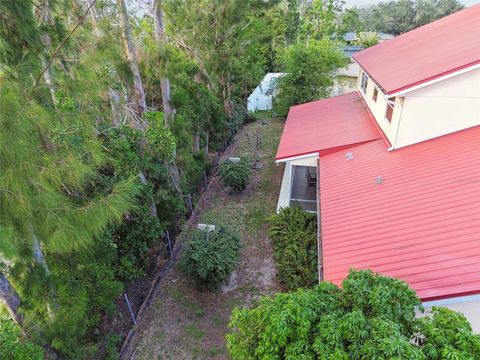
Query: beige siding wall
pixel 435 110
pixel 441 108
pixel 379 107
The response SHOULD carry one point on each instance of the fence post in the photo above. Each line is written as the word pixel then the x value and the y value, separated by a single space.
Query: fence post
pixel 190 205
pixel 132 315
pixel 169 240
pixel 205 179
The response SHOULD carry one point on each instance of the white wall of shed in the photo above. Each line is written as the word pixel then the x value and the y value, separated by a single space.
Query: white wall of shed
pixel 258 100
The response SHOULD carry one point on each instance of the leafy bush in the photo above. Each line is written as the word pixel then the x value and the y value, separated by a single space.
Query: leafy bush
pixel 310 73
pixel 210 259
pixel 111 346
pixel 159 137
pixel 367 39
pixel 293 232
pixel 369 317
pixel 13 346
pixel 235 175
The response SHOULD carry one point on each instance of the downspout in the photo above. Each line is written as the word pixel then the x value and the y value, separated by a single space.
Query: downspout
pixel 319 228
pixel 290 173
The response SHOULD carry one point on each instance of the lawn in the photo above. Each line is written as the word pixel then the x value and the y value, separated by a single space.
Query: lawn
pixel 185 323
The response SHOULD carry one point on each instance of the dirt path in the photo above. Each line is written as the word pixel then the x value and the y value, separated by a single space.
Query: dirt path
pixel 190 324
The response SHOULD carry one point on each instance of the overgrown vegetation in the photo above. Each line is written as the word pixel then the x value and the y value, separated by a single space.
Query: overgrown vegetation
pixel 367 39
pixel 310 73
pixel 399 16
pixel 211 256
pixel 180 305
pixel 235 174
pixel 293 232
pixel 107 120
pixel 105 139
pixel 369 317
pixel 12 344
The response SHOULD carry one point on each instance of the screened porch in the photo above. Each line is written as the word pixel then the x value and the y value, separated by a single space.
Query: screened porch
pixel 304 187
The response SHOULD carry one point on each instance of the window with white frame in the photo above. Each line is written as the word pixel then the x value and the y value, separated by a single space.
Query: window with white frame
pixel 364 82
pixel 389 110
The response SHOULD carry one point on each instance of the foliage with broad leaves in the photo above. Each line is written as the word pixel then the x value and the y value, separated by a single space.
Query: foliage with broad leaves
pixel 370 317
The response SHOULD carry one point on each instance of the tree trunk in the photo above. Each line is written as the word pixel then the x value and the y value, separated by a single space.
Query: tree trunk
pixel 168 110
pixel 38 255
pixel 129 52
pixel 152 206
pixel 39 258
pixel 196 143
pixel 116 107
pixel 161 38
pixel 45 18
pixel 10 298
pixel 94 16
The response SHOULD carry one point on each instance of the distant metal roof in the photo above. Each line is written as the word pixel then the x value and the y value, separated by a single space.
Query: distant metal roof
pixel 349 50
pixel 413 213
pixel 322 125
pixel 426 53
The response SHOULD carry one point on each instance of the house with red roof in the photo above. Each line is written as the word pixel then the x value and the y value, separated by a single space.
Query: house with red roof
pixel 393 168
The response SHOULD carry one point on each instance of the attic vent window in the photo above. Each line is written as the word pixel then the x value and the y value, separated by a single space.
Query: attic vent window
pixel 379 180
pixel 375 94
pixel 389 111
pixel 363 83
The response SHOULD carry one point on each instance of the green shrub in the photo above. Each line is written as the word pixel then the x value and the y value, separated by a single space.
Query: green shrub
pixel 293 232
pixel 369 317
pixel 235 175
pixel 12 344
pixel 210 259
pixel 111 346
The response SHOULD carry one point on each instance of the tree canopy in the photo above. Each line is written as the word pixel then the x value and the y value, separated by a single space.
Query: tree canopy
pixel 369 317
pixel 396 17
pixel 310 73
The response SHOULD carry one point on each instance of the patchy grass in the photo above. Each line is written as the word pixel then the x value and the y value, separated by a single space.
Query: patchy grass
pixel 189 324
pixel 192 331
pixel 262 114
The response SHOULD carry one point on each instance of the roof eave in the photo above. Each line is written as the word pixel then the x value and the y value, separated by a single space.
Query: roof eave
pixel 424 82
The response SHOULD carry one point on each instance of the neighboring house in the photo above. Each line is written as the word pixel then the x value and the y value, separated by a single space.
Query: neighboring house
pixel 261 98
pixel 394 167
pixel 348 76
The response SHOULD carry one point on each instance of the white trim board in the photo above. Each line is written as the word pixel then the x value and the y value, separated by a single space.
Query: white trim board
pixel 453 300
pixel 313 154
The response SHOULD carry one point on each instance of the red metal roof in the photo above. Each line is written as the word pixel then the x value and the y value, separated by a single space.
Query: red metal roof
pixel 420 221
pixel 428 52
pixel 323 125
